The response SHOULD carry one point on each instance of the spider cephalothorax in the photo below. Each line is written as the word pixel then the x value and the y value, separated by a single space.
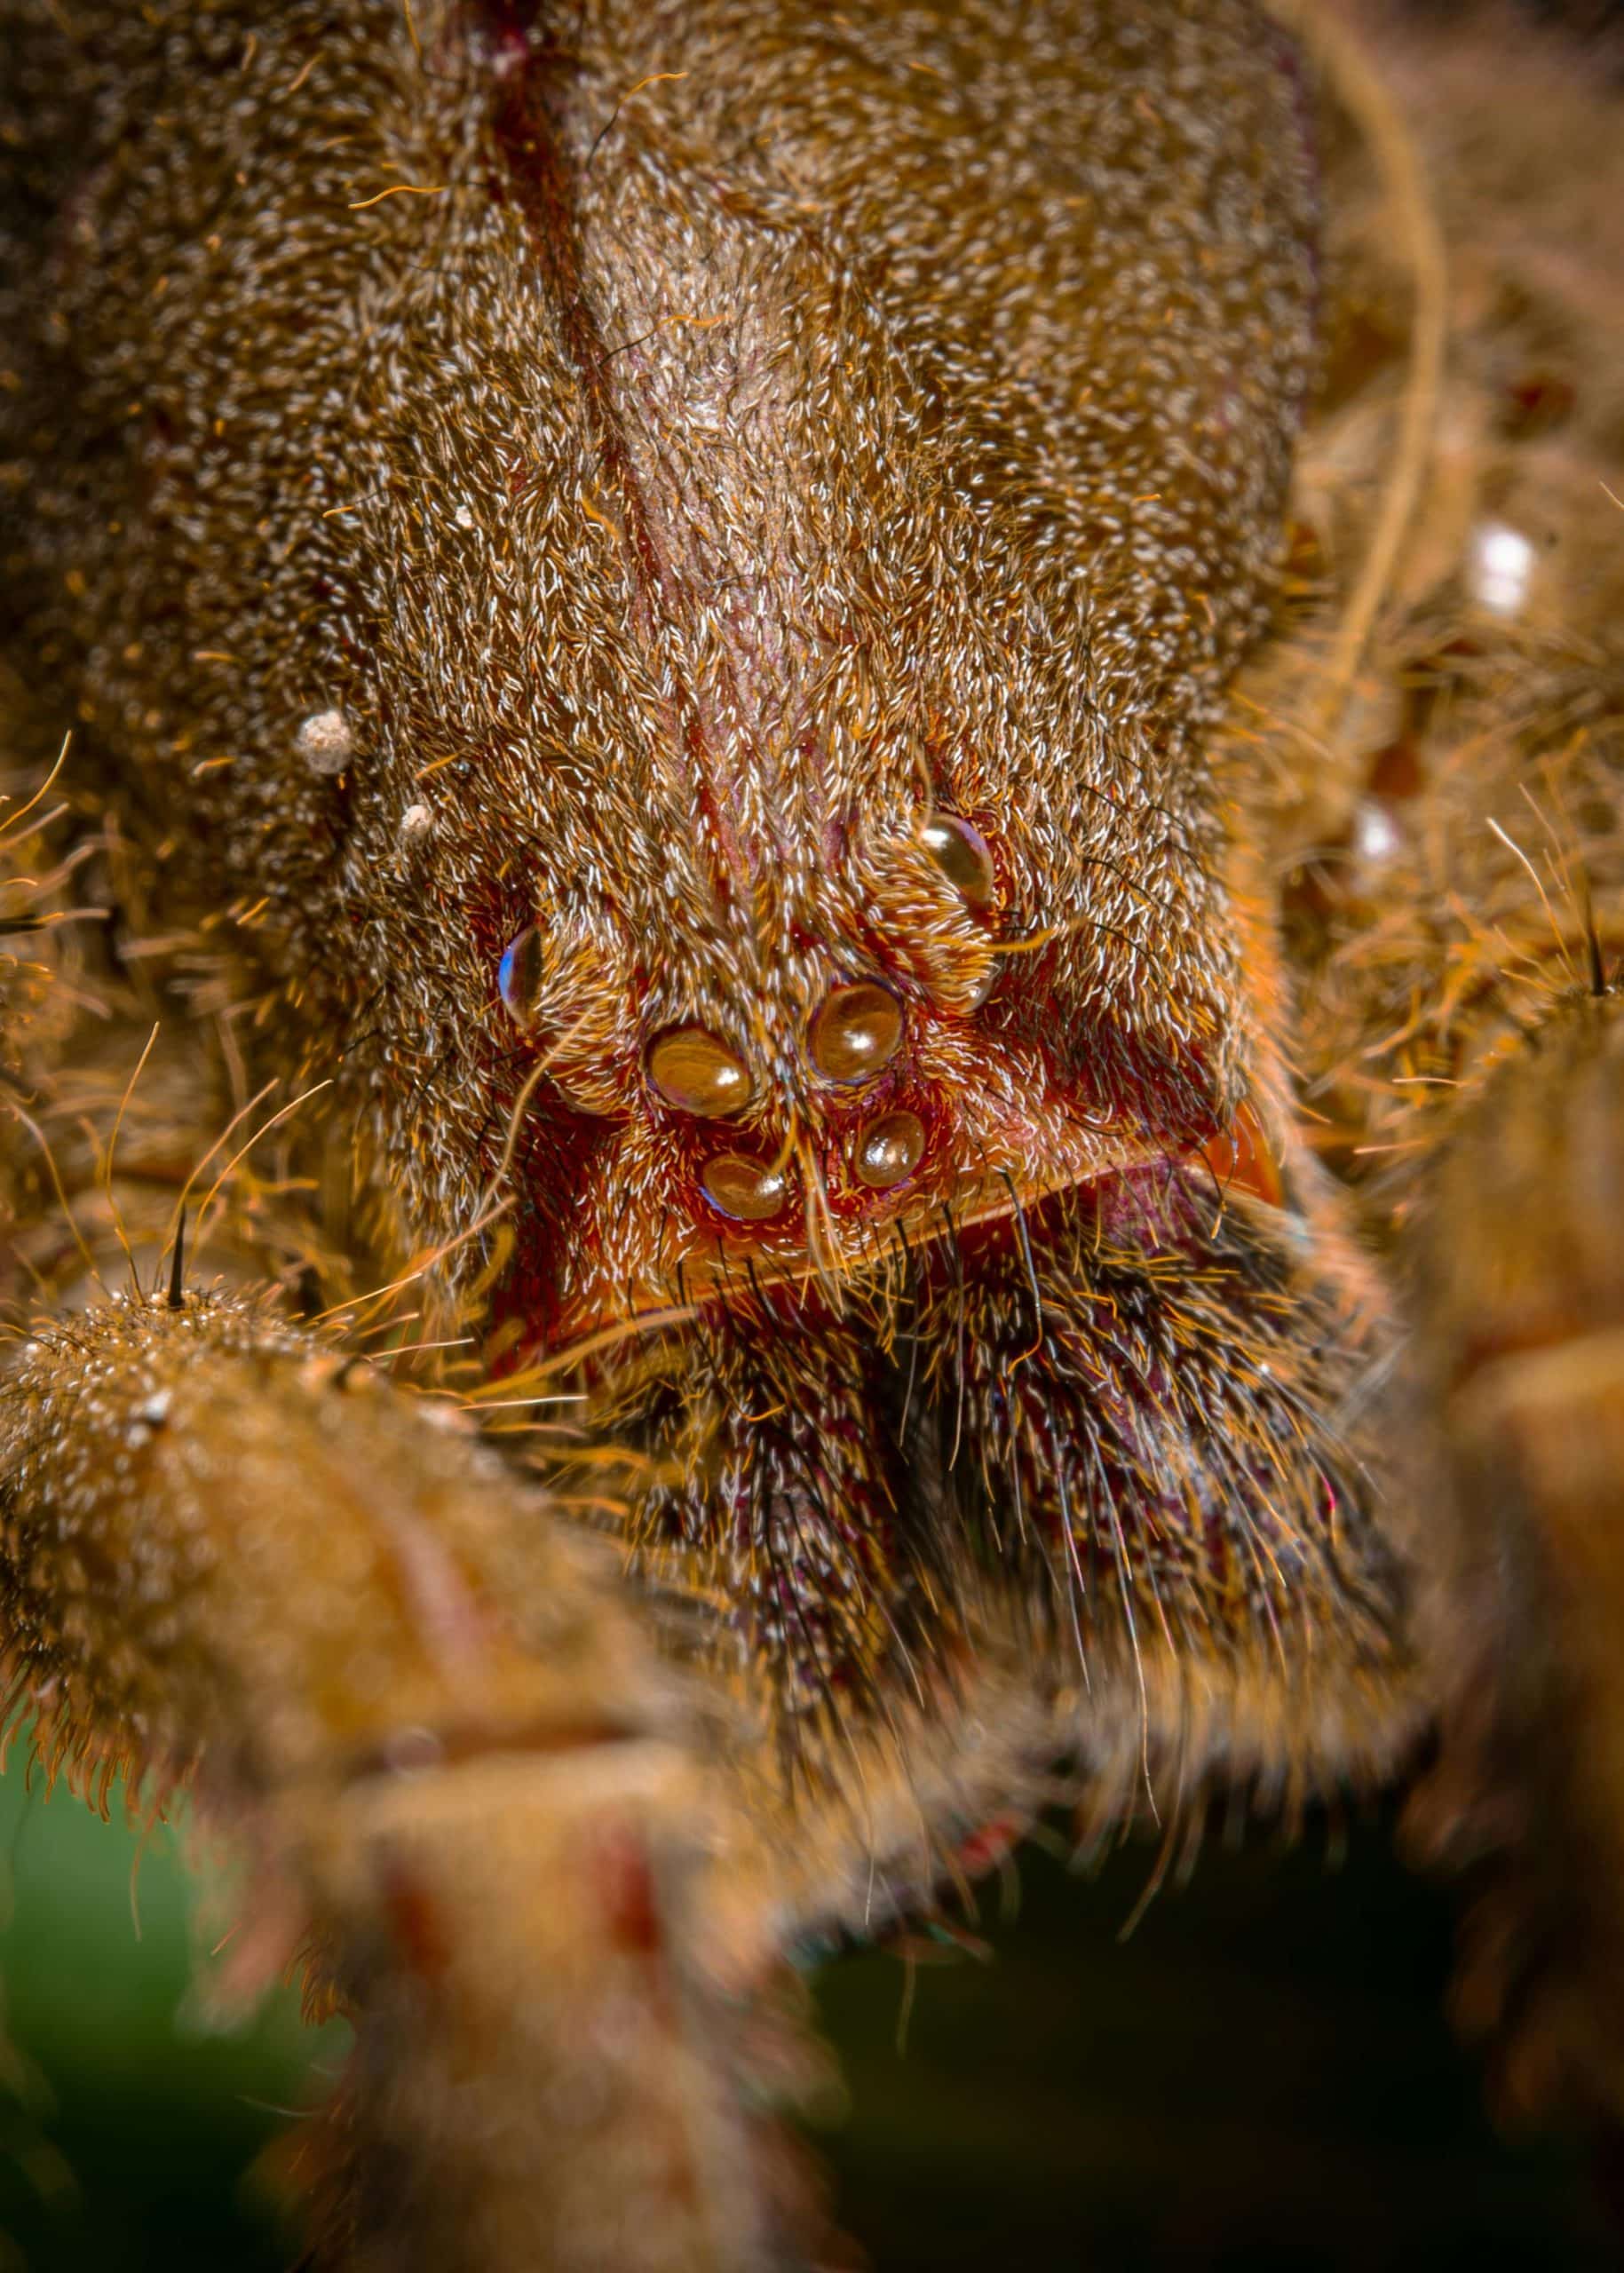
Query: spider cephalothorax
pixel 786 883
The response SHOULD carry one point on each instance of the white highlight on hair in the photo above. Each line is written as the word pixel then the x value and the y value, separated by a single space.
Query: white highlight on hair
pixel 1502 563
pixel 1376 832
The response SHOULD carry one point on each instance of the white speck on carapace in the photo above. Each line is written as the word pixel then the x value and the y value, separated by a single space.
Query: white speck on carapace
pixel 325 741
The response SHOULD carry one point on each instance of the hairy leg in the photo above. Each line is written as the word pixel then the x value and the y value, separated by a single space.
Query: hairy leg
pixel 1454 899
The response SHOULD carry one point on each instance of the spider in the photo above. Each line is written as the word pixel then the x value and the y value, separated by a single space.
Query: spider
pixel 808 1020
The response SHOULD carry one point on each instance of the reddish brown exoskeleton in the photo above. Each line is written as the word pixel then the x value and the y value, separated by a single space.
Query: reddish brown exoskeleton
pixel 648 601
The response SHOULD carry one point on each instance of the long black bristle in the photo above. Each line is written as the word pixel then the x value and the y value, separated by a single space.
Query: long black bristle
pixel 177 1266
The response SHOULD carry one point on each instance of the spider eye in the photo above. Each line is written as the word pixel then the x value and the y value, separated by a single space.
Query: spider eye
pixel 890 1149
pixel 991 979
pixel 750 1191
pixel 855 1032
pixel 520 975
pixel 698 1073
pixel 961 852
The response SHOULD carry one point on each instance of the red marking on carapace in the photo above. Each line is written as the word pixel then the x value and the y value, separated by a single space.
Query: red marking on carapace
pixel 527 130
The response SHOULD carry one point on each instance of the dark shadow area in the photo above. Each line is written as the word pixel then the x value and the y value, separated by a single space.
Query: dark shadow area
pixel 1259 2079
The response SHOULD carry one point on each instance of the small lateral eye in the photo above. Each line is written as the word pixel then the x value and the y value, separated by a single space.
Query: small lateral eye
pixel 520 975
pixel 889 1150
pixel 991 979
pixel 856 1031
pixel 752 1191
pixel 694 1070
pixel 961 852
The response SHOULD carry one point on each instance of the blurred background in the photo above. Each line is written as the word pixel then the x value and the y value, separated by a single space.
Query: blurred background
pixel 1259 2078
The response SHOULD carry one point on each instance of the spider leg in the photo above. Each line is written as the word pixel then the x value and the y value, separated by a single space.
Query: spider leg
pixel 234 1559
pixel 1517 1257
pixel 1453 848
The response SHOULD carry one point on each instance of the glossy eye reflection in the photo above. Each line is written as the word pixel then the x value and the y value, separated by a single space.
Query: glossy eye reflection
pixel 752 1191
pixel 519 977
pixel 889 1150
pixel 856 1031
pixel 961 852
pixel 695 1070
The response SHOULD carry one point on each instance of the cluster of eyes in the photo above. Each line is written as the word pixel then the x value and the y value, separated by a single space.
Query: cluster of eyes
pixel 852 1036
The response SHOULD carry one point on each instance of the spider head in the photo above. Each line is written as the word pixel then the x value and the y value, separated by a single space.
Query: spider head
pixel 868 1047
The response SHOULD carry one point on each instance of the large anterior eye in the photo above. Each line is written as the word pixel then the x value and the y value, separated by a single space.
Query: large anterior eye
pixel 694 1070
pixel 856 1031
pixel 961 852
pixel 751 1190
